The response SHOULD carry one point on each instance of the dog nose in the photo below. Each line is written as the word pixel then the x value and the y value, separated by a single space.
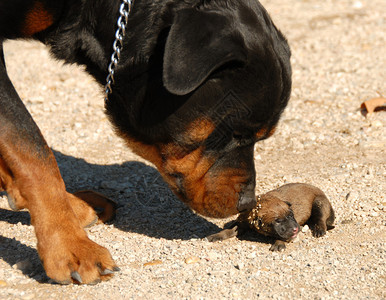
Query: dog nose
pixel 247 199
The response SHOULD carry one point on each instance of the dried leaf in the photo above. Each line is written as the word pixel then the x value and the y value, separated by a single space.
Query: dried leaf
pixel 371 105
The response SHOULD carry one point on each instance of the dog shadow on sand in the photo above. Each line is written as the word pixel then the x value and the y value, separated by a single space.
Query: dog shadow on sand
pixel 146 205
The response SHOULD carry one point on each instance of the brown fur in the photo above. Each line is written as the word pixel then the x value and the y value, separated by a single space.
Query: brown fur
pixel 58 246
pixel 37 19
pixel 265 132
pixel 199 130
pixel 199 185
pixel 307 205
pixel 106 207
pixel 174 163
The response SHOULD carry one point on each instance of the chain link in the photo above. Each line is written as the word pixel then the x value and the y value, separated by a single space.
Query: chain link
pixel 124 12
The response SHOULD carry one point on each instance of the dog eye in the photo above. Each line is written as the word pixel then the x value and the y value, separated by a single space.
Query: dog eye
pixel 237 136
pixel 242 139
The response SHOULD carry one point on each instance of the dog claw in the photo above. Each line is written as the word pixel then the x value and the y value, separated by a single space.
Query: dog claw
pixel 12 203
pixel 75 275
pixel 106 272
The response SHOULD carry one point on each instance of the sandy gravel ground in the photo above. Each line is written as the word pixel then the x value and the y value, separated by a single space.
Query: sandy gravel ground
pixel 339 60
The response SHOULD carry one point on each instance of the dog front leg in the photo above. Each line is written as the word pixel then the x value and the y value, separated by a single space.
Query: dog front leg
pixel 30 175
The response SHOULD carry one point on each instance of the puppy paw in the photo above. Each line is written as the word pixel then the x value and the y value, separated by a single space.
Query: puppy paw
pixel 223 234
pixel 318 230
pixel 213 238
pixel 278 246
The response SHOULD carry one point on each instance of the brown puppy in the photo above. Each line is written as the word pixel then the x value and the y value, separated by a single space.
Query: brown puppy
pixel 280 212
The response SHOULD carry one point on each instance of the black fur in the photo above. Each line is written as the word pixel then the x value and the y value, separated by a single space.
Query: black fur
pixel 283 228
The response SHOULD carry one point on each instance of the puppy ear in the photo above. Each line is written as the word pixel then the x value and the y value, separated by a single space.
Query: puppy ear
pixel 199 42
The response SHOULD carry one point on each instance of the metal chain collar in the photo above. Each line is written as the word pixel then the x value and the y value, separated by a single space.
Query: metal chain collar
pixel 124 12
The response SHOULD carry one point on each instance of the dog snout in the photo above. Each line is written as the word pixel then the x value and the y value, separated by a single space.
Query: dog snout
pixel 247 200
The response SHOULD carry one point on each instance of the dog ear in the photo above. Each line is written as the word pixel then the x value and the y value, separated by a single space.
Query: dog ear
pixel 199 42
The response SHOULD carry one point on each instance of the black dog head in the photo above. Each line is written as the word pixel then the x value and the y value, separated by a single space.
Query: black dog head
pixel 213 84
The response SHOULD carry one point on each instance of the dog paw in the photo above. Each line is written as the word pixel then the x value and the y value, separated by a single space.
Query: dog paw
pixel 84 212
pixel 75 259
pixel 69 256
pixel 277 246
pixel 318 230
pixel 104 207
pixel 213 238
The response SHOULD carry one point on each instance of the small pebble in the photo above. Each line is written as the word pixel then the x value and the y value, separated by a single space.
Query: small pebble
pixel 305 229
pixel 192 260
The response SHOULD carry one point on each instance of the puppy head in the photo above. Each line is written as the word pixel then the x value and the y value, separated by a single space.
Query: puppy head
pixel 216 83
pixel 273 217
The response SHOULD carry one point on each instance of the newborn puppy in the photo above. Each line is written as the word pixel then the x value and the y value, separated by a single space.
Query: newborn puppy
pixel 279 213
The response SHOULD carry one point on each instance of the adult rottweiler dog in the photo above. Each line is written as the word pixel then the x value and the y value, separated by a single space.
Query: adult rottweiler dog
pixel 199 82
